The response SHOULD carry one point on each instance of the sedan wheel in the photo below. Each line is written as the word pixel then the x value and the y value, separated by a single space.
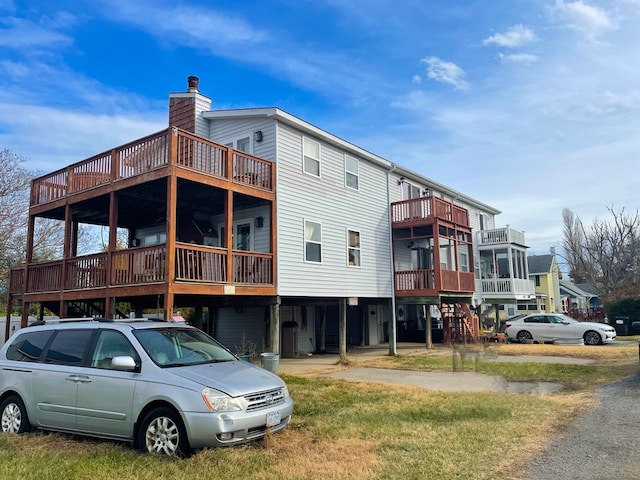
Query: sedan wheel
pixel 162 433
pixel 592 338
pixel 14 416
pixel 523 336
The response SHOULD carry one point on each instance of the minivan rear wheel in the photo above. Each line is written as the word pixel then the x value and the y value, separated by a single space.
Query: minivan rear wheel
pixel 14 416
pixel 162 432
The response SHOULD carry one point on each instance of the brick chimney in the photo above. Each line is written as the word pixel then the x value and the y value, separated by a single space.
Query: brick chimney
pixel 185 108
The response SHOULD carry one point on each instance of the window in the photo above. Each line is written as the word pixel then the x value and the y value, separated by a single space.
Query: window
pixel 28 347
pixel 311 156
pixel 68 347
pixel 463 257
pixel 351 169
pixel 483 221
pixel 112 344
pixel 312 241
pixel 353 248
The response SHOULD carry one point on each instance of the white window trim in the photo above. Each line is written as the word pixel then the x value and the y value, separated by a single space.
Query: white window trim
pixel 359 248
pixel 306 139
pixel 304 241
pixel 355 174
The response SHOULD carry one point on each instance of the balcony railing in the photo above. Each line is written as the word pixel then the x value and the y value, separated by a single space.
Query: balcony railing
pixel 430 282
pixel 150 153
pixel 429 207
pixel 144 265
pixel 510 287
pixel 500 236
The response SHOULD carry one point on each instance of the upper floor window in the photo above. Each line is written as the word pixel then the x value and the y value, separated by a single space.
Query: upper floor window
pixel 351 172
pixel 483 221
pixel 311 157
pixel 312 241
pixel 353 248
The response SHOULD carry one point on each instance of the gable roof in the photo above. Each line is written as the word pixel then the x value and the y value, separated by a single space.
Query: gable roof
pixel 578 289
pixel 299 124
pixel 540 264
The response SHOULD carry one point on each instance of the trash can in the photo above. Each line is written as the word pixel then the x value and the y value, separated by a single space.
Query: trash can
pixel 270 361
pixel 621 324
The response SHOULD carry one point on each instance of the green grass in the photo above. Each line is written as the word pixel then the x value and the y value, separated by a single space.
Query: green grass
pixel 343 430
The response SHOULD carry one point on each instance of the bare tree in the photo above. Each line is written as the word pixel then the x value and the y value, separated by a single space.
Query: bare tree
pixel 14 205
pixel 606 255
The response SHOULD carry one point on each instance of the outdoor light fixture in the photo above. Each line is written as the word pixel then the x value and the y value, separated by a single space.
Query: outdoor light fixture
pixel 257 135
pixel 401 181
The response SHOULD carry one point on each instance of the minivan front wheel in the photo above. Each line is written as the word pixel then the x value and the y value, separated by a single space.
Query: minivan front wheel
pixel 162 432
pixel 13 418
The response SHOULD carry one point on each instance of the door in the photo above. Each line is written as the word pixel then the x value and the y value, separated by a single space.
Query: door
pixel 375 324
pixel 104 404
pixel 56 381
pixel 242 235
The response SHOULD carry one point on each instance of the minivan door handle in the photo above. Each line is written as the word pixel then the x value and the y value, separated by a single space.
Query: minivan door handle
pixel 79 378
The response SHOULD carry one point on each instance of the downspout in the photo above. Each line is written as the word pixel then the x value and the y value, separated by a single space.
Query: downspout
pixel 393 351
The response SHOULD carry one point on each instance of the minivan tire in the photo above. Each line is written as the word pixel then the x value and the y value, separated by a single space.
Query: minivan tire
pixel 162 432
pixel 13 416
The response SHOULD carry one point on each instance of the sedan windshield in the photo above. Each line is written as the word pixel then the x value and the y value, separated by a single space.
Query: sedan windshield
pixel 170 347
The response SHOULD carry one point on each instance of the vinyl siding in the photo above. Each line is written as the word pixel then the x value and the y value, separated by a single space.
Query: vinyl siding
pixel 227 131
pixel 328 201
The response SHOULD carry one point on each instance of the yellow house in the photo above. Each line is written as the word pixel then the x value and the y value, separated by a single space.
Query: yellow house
pixel 546 276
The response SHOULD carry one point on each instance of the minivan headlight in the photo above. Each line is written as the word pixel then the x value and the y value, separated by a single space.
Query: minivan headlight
pixel 219 402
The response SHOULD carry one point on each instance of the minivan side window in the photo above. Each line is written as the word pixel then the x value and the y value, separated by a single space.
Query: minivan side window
pixel 28 346
pixel 69 347
pixel 112 344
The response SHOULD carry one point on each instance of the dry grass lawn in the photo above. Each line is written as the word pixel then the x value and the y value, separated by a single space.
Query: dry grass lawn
pixel 359 431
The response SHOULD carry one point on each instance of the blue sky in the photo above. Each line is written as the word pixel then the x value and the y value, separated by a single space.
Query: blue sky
pixel 530 106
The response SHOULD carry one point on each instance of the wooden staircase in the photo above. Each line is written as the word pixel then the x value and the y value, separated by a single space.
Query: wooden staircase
pixel 460 324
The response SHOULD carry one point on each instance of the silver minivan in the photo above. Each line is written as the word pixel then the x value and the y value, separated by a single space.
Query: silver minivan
pixel 168 388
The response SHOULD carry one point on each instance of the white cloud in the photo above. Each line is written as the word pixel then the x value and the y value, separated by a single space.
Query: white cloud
pixel 524 58
pixel 578 15
pixel 20 34
pixel 516 36
pixel 417 79
pixel 445 72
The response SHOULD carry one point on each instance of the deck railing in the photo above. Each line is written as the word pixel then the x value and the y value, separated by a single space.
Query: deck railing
pixel 428 207
pixel 499 236
pixel 149 153
pixel 420 281
pixel 144 265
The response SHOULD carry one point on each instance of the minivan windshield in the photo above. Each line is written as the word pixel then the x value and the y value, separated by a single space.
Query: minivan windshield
pixel 171 347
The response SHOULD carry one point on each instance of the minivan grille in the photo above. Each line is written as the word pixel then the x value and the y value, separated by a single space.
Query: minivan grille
pixel 256 401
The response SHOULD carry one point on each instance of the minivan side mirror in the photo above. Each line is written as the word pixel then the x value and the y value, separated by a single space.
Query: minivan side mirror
pixel 124 363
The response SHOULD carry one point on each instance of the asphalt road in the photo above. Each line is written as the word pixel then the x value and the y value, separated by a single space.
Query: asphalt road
pixel 601 445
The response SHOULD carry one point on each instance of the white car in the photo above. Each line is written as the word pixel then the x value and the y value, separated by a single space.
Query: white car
pixel 549 327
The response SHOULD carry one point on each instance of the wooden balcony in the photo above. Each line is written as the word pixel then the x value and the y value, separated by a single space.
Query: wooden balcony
pixel 427 210
pixel 143 266
pixel 168 148
pixel 431 283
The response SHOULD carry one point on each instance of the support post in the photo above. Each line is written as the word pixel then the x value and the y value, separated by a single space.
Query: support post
pixel 342 330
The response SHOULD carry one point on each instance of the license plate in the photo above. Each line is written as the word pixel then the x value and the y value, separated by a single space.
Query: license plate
pixel 273 418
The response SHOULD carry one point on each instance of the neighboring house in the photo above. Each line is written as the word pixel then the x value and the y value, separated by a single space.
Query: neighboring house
pixel 280 236
pixel 546 275
pixel 502 274
pixel 581 301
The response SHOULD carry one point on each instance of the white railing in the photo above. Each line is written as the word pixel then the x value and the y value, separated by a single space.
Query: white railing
pixel 499 236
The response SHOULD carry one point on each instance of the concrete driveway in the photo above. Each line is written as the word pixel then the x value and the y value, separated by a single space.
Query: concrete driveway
pixel 327 366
